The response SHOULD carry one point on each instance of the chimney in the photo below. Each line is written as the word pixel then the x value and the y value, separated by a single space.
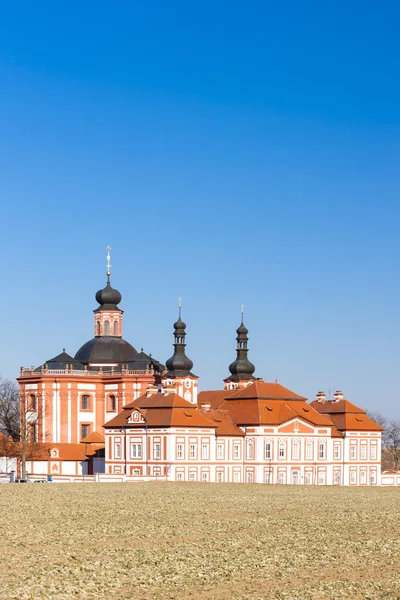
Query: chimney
pixel 338 396
pixel 321 397
pixel 205 407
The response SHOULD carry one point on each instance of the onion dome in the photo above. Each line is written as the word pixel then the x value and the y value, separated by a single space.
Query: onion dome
pixel 241 368
pixel 179 365
pixel 108 297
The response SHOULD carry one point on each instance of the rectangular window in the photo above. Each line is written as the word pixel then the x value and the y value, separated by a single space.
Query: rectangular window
pixel 373 478
pixel 336 477
pixel 308 477
pixel 336 451
pixel 204 451
pixel 268 451
pixel 249 477
pixel 179 476
pixel 296 451
pixel 363 452
pixel 33 435
pixel 353 452
pixel 236 451
pixel 322 450
pixel 363 477
pixel 220 451
pixel 136 472
pixel 179 451
pixel 321 478
pixel 157 451
pixel 192 476
pixel 192 451
pixel 117 450
pixel 236 477
pixel 85 402
pixel 309 451
pixel 220 477
pixel 373 452
pixel 352 477
pixel 84 431
pixel 250 451
pixel 268 477
pixel 136 450
pixel 204 477
pixel 281 478
pixel 282 450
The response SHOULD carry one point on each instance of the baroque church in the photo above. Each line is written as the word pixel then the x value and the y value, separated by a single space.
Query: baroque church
pixel 116 414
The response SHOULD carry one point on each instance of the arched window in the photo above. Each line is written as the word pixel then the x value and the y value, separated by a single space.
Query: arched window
pixel 115 327
pixel 112 403
pixel 32 402
pixel 106 327
pixel 98 328
pixel 85 402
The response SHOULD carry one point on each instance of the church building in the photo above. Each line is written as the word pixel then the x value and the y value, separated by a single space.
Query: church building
pixel 113 410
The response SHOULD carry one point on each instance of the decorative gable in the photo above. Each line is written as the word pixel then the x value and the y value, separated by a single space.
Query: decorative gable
pixel 136 417
pixel 296 426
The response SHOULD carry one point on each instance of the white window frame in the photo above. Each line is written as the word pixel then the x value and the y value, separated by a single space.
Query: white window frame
pixel 296 450
pixel 180 476
pixel 336 477
pixel 136 450
pixel 336 451
pixel 353 451
pixel 353 478
pixel 205 451
pixel 220 450
pixel 268 450
pixel 321 446
pixel 282 450
pixel 157 450
pixel 309 450
pixel 308 478
pixel 363 477
pixel 192 476
pixel 180 451
pixel 117 450
pixel 192 452
pixel 236 477
pixel 373 452
pixel 236 451
pixel 281 478
pixel 250 450
pixel 204 477
pixel 363 452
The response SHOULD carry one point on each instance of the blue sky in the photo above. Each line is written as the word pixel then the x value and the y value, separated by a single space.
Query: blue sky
pixel 229 153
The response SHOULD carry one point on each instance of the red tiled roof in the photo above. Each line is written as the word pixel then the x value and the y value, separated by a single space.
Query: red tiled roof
pixel 93 438
pixel 346 416
pixel 266 391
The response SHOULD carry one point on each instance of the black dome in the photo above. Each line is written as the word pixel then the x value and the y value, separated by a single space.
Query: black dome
pixel 179 363
pixel 108 297
pixel 107 349
pixel 242 369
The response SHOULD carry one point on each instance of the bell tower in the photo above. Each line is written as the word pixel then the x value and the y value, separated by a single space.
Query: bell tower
pixel 179 365
pixel 241 369
pixel 108 317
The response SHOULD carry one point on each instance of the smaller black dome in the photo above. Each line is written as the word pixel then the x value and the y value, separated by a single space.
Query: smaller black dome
pixel 179 324
pixel 242 368
pixel 242 329
pixel 108 297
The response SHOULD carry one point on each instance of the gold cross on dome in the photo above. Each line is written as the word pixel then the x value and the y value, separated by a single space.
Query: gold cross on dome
pixel 108 261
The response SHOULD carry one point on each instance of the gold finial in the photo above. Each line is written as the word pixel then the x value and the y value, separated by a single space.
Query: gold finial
pixel 108 262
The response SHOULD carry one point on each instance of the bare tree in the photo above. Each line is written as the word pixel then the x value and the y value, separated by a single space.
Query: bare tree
pixel 390 439
pixel 9 409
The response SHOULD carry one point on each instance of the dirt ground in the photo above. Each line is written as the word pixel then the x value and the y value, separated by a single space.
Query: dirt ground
pixel 206 541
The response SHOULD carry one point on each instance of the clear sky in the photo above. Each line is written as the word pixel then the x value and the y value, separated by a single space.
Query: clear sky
pixel 229 153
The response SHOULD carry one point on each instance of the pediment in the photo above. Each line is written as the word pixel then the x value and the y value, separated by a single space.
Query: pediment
pixel 135 417
pixel 296 426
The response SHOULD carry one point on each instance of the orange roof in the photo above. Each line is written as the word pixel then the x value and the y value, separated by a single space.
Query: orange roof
pixel 214 397
pixel 266 391
pixel 346 416
pixel 93 438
